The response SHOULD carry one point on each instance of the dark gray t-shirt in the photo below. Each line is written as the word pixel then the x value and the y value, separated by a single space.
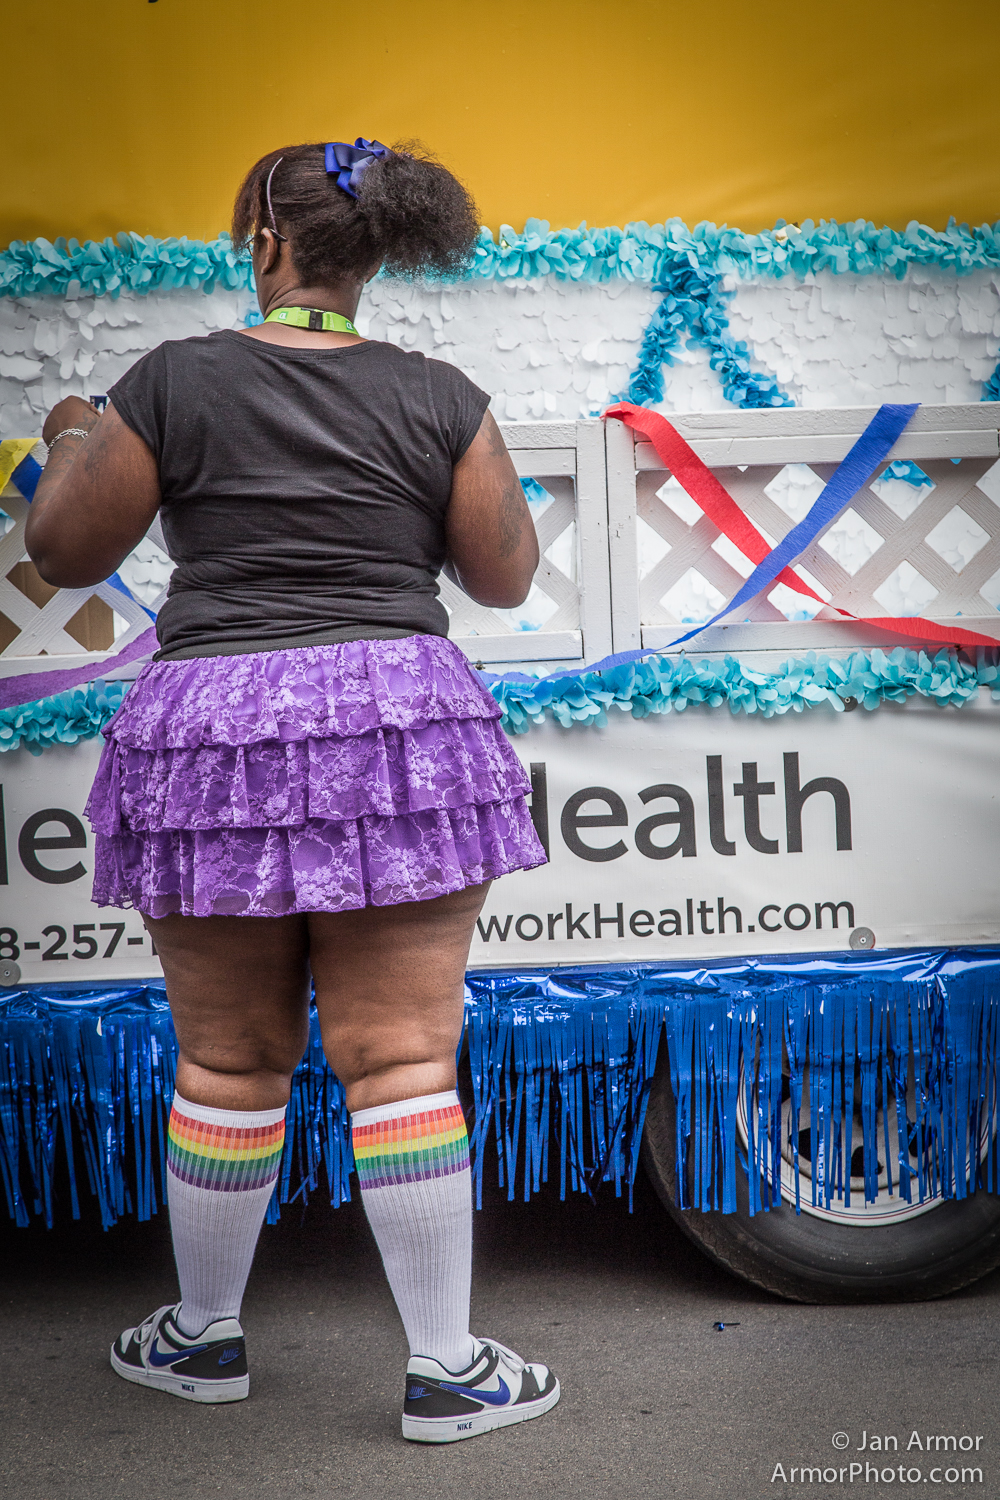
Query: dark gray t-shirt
pixel 304 490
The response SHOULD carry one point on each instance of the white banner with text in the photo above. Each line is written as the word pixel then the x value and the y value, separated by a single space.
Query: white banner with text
pixel 706 834
pixel 691 835
pixel 49 927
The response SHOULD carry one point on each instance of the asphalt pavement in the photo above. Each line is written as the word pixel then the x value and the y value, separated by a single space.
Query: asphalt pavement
pixel 656 1402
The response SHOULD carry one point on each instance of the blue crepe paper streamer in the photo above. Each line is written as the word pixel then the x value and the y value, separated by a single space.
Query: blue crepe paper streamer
pixel 562 1063
pixel 26 476
pixel 117 582
pixel 657 685
pixel 878 439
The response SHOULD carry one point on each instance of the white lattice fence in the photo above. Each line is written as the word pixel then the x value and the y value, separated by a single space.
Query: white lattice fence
pixel 599 586
pixel 567 616
pixel 937 547
pixel 40 636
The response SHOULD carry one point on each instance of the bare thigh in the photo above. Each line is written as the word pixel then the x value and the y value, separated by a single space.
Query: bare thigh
pixel 389 991
pixel 239 994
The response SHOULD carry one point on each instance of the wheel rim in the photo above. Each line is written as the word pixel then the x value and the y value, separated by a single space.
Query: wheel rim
pixel 889 1208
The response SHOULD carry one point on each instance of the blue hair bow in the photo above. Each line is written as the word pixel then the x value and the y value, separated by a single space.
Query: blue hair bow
pixel 350 162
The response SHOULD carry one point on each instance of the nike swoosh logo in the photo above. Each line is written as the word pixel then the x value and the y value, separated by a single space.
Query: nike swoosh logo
pixel 495 1398
pixel 158 1360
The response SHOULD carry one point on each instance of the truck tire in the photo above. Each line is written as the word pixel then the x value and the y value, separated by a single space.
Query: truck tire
pixel 806 1258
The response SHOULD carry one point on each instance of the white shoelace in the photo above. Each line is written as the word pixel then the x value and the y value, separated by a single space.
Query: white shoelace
pixel 145 1330
pixel 514 1360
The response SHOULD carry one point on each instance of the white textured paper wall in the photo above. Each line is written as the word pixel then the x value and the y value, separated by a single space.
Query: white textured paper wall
pixel 554 349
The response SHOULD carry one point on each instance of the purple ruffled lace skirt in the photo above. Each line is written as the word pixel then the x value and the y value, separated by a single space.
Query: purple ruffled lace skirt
pixel 322 778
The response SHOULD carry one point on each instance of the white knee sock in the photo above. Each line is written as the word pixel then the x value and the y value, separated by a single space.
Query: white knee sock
pixel 413 1165
pixel 221 1169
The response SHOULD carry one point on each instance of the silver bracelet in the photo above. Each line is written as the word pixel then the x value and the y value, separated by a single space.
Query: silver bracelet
pixel 69 432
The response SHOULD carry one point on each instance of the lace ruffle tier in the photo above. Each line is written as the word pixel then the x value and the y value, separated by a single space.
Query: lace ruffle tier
pixel 323 778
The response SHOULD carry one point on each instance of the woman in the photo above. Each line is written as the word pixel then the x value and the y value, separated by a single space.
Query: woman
pixel 308 779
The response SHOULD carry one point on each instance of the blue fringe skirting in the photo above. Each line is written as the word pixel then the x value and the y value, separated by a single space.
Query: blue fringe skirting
pixel 562 1063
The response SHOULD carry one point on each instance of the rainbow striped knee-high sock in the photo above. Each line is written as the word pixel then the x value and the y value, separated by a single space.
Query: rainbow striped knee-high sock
pixel 413 1165
pixel 221 1169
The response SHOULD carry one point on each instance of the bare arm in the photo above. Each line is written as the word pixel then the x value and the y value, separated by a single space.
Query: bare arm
pixel 492 547
pixel 95 500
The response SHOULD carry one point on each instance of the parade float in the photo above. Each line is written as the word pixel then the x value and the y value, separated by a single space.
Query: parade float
pixel 762 945
pixel 756 690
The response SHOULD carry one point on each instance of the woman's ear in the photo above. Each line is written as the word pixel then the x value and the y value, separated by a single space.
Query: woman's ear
pixel 268 251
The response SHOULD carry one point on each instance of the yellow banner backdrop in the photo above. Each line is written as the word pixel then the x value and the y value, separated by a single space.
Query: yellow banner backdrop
pixel 143 114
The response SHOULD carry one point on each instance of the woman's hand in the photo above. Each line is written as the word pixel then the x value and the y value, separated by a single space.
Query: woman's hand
pixel 492 546
pixel 72 412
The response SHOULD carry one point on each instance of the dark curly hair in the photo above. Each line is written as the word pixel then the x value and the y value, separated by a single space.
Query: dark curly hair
pixel 411 215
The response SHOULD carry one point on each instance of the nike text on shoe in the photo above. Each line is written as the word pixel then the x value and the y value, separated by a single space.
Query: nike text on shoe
pixel 209 1368
pixel 497 1390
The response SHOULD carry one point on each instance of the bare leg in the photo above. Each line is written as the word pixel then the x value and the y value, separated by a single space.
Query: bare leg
pixel 239 994
pixel 238 991
pixel 389 987
pixel 389 992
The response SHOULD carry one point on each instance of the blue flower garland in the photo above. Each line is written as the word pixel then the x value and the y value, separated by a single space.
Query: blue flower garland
pixel 686 266
pixel 129 262
pixel 692 301
pixel 657 685
pixel 991 387
pixel 62 719
pixel 142 263
pixel 635 252
pixel 660 685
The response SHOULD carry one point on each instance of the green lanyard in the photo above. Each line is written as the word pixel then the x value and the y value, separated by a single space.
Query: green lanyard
pixel 313 319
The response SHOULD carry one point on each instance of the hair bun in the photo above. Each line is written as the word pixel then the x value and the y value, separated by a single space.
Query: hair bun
pixel 400 209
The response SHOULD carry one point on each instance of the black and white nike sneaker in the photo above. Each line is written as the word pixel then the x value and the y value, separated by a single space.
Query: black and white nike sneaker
pixel 209 1368
pixel 497 1390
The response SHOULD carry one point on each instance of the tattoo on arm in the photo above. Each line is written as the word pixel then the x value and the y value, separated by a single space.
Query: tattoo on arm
pixel 95 452
pixel 498 447
pixel 511 519
pixel 60 460
pixel 511 516
pixel 57 465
